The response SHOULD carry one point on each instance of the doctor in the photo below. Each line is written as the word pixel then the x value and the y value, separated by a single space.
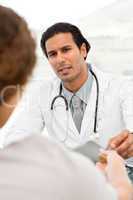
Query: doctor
pixel 103 101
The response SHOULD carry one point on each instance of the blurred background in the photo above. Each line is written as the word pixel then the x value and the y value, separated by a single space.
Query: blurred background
pixel 107 24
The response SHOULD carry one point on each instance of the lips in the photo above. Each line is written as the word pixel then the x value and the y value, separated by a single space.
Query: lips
pixel 64 69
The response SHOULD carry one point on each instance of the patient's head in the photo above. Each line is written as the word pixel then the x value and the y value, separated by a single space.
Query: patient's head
pixel 17 52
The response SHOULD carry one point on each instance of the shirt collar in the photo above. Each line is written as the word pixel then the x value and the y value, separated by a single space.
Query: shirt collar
pixel 83 93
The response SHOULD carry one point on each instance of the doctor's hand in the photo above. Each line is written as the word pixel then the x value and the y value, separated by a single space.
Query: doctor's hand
pixel 122 143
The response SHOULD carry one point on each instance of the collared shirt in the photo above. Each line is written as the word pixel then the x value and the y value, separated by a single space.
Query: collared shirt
pixel 83 93
pixel 82 100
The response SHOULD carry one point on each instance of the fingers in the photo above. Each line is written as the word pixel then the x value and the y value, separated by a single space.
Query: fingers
pixel 122 143
pixel 129 152
pixel 103 158
pixel 115 165
pixel 101 166
pixel 114 157
pixel 117 140
pixel 125 149
pixel 111 157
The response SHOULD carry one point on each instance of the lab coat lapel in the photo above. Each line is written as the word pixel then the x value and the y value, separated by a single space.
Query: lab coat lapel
pixel 105 80
pixel 88 119
pixel 60 114
pixel 87 126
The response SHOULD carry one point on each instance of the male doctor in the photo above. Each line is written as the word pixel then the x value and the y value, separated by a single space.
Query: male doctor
pixel 83 103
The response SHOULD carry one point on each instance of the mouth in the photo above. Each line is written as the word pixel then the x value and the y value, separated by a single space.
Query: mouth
pixel 64 69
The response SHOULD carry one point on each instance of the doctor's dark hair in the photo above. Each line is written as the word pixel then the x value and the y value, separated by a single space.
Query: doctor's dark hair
pixel 63 27
pixel 17 49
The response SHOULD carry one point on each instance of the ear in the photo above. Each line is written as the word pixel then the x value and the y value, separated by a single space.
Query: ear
pixel 83 50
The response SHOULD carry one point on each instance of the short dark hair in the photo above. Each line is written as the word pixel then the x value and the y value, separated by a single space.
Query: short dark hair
pixel 63 27
pixel 17 49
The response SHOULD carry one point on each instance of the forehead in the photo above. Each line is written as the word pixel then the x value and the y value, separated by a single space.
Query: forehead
pixel 59 40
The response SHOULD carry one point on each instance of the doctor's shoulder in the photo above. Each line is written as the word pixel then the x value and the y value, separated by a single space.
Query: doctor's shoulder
pixel 119 80
pixel 123 84
pixel 102 74
pixel 126 89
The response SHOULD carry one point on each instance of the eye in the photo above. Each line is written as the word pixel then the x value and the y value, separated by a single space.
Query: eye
pixel 66 49
pixel 52 54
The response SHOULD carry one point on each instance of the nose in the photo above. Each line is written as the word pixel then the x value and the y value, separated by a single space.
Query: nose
pixel 60 58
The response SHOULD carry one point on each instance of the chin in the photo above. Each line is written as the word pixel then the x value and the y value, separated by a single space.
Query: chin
pixel 66 79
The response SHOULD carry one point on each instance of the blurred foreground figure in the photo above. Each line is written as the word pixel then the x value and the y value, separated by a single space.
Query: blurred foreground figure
pixel 39 169
pixel 17 60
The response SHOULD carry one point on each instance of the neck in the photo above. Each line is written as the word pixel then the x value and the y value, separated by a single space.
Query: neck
pixel 76 84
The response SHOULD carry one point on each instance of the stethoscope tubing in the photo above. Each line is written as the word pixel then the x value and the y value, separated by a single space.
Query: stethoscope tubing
pixel 66 103
pixel 97 100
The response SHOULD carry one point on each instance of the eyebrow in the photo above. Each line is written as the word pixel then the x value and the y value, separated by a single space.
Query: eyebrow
pixel 65 46
pixel 49 52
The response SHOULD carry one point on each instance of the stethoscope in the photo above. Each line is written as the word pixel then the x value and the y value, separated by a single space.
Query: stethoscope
pixel 66 103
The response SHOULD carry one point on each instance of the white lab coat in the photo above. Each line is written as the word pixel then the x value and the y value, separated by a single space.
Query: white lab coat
pixel 115 112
